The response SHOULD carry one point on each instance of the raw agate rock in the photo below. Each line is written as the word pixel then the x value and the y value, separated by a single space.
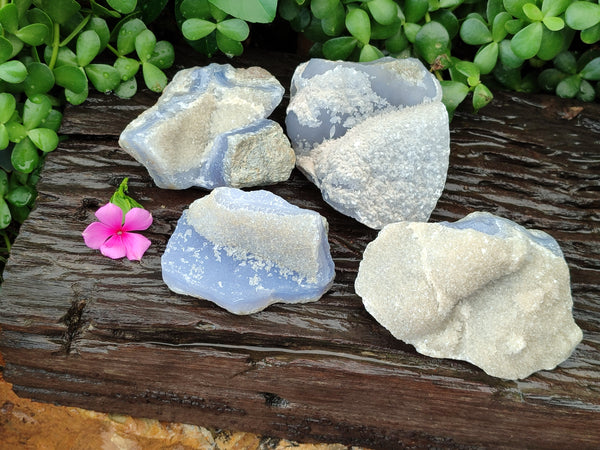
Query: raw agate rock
pixel 209 129
pixel 374 137
pixel 247 250
pixel 482 289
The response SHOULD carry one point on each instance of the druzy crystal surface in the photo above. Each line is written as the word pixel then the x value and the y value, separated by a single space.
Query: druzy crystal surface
pixel 374 137
pixel 482 289
pixel 209 128
pixel 247 250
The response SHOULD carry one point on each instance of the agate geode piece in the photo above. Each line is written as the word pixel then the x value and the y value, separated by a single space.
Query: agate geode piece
pixel 482 289
pixel 209 128
pixel 247 250
pixel 374 137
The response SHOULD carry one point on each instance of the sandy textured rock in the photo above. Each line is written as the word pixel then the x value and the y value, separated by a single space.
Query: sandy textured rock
pixel 247 250
pixel 207 124
pixel 482 289
pixel 374 137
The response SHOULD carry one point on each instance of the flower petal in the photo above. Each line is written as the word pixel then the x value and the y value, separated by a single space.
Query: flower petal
pixel 96 234
pixel 110 215
pixel 137 219
pixel 114 248
pixel 135 245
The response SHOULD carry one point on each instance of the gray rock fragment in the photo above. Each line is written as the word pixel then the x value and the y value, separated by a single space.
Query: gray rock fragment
pixel 374 137
pixel 209 129
pixel 482 289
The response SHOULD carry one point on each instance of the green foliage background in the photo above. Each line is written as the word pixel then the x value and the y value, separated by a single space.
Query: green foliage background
pixel 54 51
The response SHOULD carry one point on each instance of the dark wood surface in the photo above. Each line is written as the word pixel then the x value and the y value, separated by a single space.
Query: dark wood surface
pixel 80 329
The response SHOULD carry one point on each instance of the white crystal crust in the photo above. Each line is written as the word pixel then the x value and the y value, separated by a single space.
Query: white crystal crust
pixel 500 301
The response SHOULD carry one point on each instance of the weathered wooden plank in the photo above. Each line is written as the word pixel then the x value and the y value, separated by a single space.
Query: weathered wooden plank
pixel 84 330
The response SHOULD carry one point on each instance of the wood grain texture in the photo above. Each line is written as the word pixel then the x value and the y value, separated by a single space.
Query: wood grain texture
pixel 80 329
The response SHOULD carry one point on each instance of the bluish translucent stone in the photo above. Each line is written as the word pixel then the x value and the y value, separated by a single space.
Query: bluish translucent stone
pixel 247 250
pixel 182 139
pixel 499 226
pixel 330 97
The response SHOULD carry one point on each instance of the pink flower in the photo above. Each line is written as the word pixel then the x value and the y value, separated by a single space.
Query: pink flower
pixel 113 236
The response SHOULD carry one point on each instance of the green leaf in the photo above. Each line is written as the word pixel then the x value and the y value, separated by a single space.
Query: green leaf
pixel 88 47
pixel 323 8
pixel 44 139
pixel 469 70
pixel 475 32
pixel 5 217
pixel 101 11
pixel 77 98
pixel 230 47
pixel 481 96
pixel 586 92
pixel 359 25
pixel 513 26
pixel 154 78
pixel 6 49
pixel 554 23
pixel 552 44
pixel 123 6
pixel 370 53
pixel 127 67
pixel 144 45
pixel 526 43
pixel 105 78
pixel 3 183
pixel 335 23
pixel 384 12
pixel 397 42
pixel 515 7
pixel 53 120
pixel 194 29
pixel 448 20
pixel 122 199
pixel 199 9
pixel 126 89
pixel 7 106
pixel 100 26
pixel 582 15
pixel 13 71
pixel 9 17
pixel 591 35
pixel 235 29
pixel 566 62
pixel 591 71
pixel 552 8
pixel 33 34
pixel 40 79
pixel 16 131
pixel 454 93
pixel 60 11
pixel 72 78
pixel 549 79
pixel 65 57
pixel 25 157
pixel 261 11
pixel 339 48
pixel 532 12
pixel 21 196
pixel 569 87
pixel 35 110
pixel 486 58
pixel 499 31
pixel 415 10
pixel 127 34
pixel 431 41
pixel 380 32
pixel 410 31
pixel 493 8
pixel 288 9
pixel 152 9
pixel 163 55
pixel 507 57
pixel 4 141
pixel 217 13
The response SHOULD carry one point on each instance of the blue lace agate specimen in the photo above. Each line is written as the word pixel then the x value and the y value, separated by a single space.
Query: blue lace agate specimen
pixel 247 250
pixel 209 129
pixel 374 137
